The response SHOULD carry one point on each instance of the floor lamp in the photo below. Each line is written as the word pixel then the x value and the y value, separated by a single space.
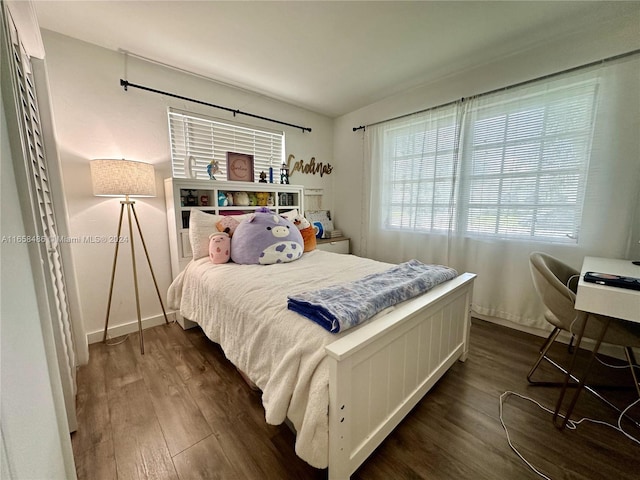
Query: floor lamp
pixel 118 178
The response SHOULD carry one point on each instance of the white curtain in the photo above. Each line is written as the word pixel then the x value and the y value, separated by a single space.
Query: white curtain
pixel 607 225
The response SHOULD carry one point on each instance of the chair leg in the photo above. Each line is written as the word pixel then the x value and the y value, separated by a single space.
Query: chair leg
pixel 543 353
pixel 543 356
pixel 631 358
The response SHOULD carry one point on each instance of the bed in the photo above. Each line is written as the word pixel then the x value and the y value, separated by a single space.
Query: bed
pixel 343 393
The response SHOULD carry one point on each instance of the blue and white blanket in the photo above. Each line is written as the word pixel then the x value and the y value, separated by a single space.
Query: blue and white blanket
pixel 344 306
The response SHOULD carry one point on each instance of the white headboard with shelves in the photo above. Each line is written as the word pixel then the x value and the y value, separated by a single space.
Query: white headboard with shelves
pixel 183 194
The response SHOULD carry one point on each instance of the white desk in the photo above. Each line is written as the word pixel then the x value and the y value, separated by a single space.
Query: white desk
pixel 622 303
pixel 611 301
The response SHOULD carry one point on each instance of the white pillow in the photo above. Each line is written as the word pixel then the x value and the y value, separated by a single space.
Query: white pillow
pixel 242 217
pixel 201 225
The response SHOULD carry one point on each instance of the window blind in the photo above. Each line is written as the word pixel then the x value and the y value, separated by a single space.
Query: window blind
pixel 513 165
pixel 197 140
pixel 526 164
pixel 420 177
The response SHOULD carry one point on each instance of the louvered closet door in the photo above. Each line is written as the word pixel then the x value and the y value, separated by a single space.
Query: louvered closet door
pixel 42 207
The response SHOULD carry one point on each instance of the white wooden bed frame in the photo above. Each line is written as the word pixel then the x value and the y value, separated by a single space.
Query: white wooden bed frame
pixel 379 372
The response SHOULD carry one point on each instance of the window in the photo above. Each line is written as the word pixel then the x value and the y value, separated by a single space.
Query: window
pixel 196 140
pixel 512 166
pixel 420 175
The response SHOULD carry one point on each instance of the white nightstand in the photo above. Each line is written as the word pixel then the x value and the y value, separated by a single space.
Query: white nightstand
pixel 335 245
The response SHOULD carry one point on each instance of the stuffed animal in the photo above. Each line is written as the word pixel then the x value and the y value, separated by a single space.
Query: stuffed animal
pixel 266 238
pixel 306 229
pixel 219 247
pixel 227 224
pixel 240 198
pixel 253 200
pixel 230 199
pixel 309 238
pixel 222 199
pixel 299 221
pixel 262 198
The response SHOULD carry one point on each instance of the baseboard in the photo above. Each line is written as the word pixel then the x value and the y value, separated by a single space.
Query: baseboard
pixel 123 329
pixel 538 332
pixel 564 337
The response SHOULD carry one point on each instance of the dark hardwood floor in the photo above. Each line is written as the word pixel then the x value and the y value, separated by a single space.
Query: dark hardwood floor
pixel 182 411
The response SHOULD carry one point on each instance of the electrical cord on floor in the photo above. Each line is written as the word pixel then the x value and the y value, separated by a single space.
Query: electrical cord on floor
pixel 597 357
pixel 113 344
pixel 626 365
pixel 622 414
pixel 571 425
pixel 502 400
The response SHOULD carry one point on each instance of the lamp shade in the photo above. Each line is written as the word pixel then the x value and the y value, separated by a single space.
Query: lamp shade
pixel 115 178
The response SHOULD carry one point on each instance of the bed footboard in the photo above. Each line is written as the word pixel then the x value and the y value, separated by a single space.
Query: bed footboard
pixel 379 372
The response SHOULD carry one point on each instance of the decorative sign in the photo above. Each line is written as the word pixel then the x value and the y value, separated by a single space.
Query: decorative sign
pixel 239 167
pixel 321 222
pixel 310 167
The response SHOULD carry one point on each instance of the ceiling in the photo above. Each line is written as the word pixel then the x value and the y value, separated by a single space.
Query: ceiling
pixel 331 57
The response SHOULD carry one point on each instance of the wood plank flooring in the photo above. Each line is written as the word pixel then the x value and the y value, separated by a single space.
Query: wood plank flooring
pixel 182 411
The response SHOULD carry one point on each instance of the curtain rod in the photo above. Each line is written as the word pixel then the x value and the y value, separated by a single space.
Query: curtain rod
pixel 126 84
pixel 520 84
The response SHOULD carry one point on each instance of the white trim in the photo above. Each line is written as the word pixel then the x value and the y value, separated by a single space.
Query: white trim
pixel 564 337
pixel 131 327
pixel 25 19
pixel 61 210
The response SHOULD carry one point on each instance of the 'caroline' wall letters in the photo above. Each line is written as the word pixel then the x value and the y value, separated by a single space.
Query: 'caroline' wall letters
pixel 311 167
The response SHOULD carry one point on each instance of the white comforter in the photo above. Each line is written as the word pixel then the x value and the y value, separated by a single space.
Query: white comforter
pixel 244 309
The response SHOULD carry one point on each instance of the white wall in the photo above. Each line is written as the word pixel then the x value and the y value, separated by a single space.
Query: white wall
pixel 515 304
pixel 577 48
pixel 96 118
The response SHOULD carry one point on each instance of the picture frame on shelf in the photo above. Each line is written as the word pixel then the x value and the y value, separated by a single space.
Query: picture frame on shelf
pixel 240 167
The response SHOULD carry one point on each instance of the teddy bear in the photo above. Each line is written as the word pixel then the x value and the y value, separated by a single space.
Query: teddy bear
pixel 266 238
